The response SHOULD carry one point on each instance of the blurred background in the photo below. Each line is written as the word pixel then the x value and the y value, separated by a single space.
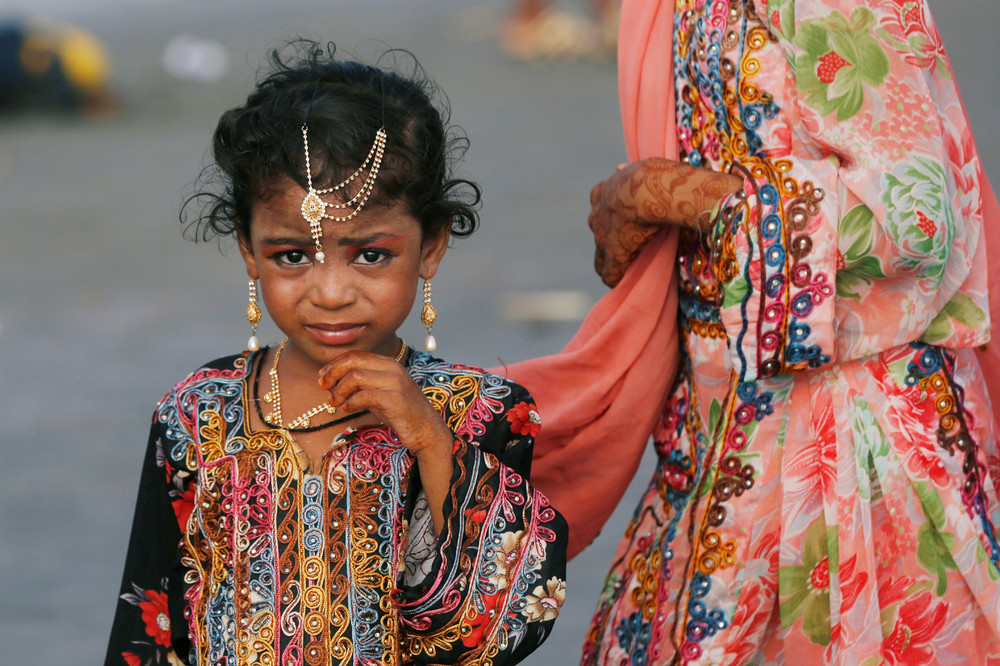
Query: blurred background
pixel 103 305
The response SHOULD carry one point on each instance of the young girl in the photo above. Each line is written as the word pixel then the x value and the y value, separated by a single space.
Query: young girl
pixel 339 498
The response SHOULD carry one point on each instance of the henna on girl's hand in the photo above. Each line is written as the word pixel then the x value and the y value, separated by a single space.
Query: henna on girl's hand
pixel 631 206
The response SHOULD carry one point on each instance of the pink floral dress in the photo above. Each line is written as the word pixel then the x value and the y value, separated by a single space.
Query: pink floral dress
pixel 825 486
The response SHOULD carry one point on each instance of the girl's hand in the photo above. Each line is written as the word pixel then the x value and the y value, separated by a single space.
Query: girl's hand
pixel 362 380
pixel 631 206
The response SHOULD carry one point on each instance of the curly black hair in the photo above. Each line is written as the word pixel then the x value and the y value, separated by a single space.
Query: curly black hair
pixel 346 101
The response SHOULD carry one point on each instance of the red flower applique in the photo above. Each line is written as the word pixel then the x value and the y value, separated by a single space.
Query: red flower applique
pixel 524 419
pixel 156 615
pixel 183 507
pixel 131 659
pixel 481 622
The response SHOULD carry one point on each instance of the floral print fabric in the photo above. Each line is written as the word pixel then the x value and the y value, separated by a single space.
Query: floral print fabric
pixel 825 486
pixel 244 553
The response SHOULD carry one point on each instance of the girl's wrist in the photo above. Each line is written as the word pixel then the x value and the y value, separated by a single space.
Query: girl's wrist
pixel 439 449
pixel 439 444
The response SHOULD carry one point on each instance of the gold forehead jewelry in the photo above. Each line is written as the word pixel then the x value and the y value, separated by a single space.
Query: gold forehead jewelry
pixel 314 209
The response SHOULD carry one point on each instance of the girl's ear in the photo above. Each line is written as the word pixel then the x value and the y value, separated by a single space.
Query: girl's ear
pixel 246 251
pixel 432 250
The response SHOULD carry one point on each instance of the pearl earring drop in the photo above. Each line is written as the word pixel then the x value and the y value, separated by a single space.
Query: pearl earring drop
pixel 428 316
pixel 253 316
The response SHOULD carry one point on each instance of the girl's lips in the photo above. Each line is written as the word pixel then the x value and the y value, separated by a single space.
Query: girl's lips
pixel 335 334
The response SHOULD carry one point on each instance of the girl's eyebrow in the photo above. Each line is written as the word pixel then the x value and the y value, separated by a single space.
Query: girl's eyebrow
pixel 289 240
pixel 367 240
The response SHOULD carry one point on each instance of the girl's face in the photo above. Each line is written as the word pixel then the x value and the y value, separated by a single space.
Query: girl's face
pixel 363 292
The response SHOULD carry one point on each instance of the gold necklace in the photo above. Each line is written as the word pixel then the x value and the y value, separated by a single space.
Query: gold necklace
pixel 273 397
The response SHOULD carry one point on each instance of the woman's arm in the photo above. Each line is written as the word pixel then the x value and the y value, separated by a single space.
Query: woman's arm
pixel 631 206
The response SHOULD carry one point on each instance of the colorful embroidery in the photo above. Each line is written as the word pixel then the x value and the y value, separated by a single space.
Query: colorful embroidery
pixel 284 564
pixel 931 371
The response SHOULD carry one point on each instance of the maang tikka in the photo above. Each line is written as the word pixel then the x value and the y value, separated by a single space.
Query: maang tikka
pixel 314 209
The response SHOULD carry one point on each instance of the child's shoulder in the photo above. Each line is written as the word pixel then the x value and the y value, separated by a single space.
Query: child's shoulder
pixel 429 370
pixel 225 374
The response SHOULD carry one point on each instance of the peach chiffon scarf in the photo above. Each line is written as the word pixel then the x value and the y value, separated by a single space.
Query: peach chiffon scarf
pixel 989 354
pixel 601 396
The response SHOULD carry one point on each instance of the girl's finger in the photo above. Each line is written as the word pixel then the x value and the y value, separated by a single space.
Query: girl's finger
pixel 367 398
pixel 331 373
pixel 355 379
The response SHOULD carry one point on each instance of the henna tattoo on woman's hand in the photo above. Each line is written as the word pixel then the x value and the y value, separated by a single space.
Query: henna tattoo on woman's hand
pixel 615 219
pixel 628 208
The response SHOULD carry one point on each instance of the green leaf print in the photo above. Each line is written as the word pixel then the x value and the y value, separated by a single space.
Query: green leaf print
pixel 781 18
pixel 734 292
pixel 982 556
pixel 861 268
pixel 796 579
pixel 855 231
pixel 939 329
pixel 930 502
pixel 808 585
pixel 837 58
pixel 964 310
pixel 934 554
pixel 960 308
pixel 868 267
pixel 934 546
pixel 849 285
pixel 714 414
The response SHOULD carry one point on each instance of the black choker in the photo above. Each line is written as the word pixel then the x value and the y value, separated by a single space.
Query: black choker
pixel 260 414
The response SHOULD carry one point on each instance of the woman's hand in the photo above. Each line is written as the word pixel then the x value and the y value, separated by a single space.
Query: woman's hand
pixel 620 230
pixel 628 208
pixel 363 380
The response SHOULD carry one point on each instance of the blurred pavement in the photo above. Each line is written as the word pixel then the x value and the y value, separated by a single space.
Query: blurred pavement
pixel 103 305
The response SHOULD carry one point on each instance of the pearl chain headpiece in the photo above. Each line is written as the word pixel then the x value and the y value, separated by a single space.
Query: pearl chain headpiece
pixel 314 209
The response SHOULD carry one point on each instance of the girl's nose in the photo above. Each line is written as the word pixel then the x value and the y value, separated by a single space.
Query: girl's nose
pixel 332 286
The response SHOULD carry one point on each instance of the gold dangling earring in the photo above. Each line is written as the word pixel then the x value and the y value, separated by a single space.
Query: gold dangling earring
pixel 428 316
pixel 253 316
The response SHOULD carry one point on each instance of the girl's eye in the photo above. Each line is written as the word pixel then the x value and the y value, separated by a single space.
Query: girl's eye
pixel 293 257
pixel 371 256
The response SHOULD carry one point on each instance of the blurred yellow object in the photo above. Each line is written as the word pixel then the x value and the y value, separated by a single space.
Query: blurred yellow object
pixel 84 61
pixel 51 64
